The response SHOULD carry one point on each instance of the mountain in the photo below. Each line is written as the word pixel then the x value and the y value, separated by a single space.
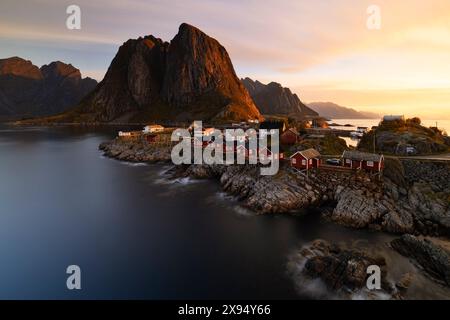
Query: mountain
pixel 190 78
pixel 26 90
pixel 273 99
pixel 333 111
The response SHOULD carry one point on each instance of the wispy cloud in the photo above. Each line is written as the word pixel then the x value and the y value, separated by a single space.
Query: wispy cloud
pixel 319 48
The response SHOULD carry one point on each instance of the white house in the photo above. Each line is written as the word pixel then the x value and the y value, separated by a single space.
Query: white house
pixel 153 128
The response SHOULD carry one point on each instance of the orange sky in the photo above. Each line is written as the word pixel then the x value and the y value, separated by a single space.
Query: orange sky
pixel 322 49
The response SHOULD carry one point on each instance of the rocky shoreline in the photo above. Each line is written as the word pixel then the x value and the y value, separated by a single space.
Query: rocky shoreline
pixel 412 198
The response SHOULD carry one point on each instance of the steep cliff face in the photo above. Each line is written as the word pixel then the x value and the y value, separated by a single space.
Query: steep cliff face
pixel 273 99
pixel 26 90
pixel 200 78
pixel 192 78
pixel 132 82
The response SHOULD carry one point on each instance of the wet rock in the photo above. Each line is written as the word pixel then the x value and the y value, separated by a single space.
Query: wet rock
pixel 434 260
pixel 404 283
pixel 342 271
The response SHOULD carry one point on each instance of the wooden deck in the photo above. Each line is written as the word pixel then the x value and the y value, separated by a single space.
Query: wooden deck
pixel 335 168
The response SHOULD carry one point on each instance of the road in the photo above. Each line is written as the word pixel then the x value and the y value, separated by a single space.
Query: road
pixel 436 157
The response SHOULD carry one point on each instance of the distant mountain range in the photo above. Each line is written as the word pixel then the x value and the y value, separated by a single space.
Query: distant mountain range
pixel 333 111
pixel 27 90
pixel 190 78
pixel 274 99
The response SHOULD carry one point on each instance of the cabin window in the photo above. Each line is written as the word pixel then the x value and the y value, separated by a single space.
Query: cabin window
pixel 370 163
pixel 304 162
pixel 294 161
pixel 348 161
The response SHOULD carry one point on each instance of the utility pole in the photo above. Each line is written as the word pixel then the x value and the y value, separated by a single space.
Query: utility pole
pixel 374 141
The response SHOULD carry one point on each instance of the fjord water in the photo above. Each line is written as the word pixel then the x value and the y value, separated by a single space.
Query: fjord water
pixel 134 234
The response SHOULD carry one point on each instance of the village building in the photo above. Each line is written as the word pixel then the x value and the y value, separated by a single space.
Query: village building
pixel 153 128
pixel 265 153
pixel 290 137
pixel 306 159
pixel 362 129
pixel 208 132
pixel 129 134
pixel 242 150
pixel 363 161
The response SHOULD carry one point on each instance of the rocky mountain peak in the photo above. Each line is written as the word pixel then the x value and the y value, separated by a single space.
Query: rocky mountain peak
pixel 58 69
pixel 26 90
pixel 190 78
pixel 274 99
pixel 16 66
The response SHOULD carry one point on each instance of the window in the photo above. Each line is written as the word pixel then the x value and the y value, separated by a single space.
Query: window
pixel 370 163
pixel 304 162
pixel 348 161
pixel 294 161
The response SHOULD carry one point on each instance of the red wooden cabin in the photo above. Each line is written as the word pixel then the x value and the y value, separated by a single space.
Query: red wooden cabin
pixel 306 159
pixel 363 161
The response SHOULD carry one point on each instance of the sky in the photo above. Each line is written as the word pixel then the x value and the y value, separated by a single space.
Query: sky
pixel 322 49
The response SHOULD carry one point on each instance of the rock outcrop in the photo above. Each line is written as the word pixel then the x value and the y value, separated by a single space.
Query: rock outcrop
pixel 138 151
pixel 405 138
pixel 190 78
pixel 26 90
pixel 434 260
pixel 343 272
pixel 273 99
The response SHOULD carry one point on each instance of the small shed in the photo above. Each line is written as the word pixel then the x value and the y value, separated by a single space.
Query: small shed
pixel 363 160
pixel 306 159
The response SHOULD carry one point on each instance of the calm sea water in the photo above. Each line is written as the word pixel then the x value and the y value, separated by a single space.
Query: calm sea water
pixel 442 124
pixel 135 235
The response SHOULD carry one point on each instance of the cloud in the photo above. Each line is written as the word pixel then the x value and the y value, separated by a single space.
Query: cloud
pixel 323 45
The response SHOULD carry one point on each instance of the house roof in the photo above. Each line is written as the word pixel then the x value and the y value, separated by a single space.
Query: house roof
pixel 308 154
pixel 361 156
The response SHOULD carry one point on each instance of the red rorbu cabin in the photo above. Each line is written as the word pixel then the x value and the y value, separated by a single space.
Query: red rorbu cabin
pixel 306 159
pixel 363 161
pixel 289 137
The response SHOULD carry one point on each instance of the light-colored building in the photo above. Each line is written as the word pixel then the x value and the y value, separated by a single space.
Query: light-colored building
pixel 153 128
pixel 129 134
